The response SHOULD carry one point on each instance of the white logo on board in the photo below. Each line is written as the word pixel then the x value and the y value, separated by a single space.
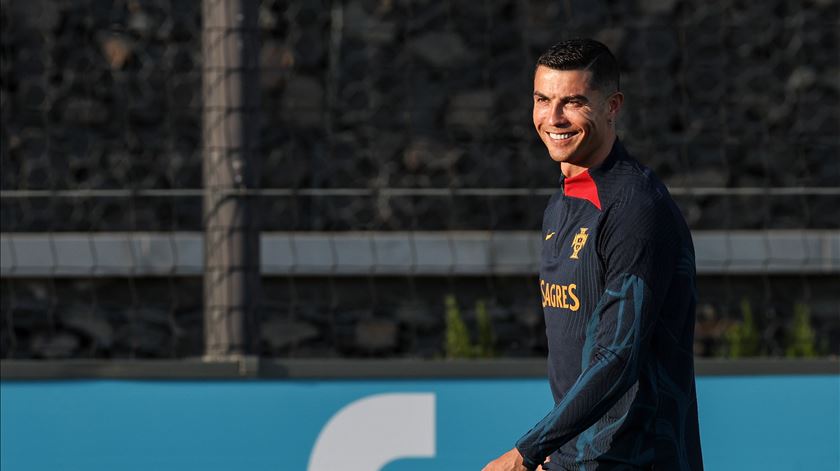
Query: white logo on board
pixel 373 431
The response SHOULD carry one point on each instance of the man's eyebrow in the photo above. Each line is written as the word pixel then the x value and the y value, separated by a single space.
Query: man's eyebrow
pixel 565 99
pixel 581 98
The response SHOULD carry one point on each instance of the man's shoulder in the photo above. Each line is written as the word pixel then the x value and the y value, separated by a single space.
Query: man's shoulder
pixel 632 183
pixel 639 201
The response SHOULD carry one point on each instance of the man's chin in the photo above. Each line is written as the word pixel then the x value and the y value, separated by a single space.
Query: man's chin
pixel 559 158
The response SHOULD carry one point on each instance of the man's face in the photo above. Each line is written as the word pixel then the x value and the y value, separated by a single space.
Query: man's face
pixel 572 118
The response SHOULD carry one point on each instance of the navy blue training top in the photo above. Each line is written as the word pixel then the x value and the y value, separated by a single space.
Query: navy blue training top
pixel 617 278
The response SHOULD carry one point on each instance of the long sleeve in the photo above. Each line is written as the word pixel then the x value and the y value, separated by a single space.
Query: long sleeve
pixel 638 246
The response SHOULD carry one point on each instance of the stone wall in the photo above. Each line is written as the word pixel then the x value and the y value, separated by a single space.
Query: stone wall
pixel 382 94
pixel 372 317
pixel 414 94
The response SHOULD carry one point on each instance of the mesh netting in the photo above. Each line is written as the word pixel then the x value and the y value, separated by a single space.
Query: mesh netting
pixel 399 117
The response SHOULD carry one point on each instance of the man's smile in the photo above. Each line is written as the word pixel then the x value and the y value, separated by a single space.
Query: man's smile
pixel 561 136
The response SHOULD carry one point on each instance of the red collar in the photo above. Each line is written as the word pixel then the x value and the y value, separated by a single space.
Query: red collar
pixel 582 186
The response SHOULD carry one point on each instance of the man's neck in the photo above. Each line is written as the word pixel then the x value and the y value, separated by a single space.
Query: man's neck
pixel 571 170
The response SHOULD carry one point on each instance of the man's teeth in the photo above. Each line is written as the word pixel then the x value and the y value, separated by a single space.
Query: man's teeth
pixel 564 135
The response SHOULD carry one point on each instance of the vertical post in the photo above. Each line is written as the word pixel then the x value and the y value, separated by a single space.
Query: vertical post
pixel 230 165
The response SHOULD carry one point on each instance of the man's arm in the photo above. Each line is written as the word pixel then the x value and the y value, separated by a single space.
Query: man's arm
pixel 640 253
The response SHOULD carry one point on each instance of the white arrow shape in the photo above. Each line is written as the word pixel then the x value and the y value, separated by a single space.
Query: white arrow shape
pixel 373 431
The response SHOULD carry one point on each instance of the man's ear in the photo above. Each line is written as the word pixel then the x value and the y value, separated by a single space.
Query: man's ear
pixel 614 103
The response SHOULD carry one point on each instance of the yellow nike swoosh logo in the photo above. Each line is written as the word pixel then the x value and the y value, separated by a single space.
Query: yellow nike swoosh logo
pixel 550 235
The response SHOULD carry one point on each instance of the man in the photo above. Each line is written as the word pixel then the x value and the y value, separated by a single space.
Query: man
pixel 617 280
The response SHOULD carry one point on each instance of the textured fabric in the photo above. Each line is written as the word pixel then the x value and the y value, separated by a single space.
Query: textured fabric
pixel 618 286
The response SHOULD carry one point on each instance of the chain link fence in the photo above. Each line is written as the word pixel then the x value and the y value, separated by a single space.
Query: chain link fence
pixel 399 133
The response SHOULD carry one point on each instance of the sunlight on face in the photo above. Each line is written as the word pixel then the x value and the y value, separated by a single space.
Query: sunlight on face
pixel 573 119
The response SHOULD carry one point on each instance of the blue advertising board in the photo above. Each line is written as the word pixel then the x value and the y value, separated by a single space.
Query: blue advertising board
pixel 751 422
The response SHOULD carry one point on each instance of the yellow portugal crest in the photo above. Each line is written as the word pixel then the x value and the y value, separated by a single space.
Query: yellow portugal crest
pixel 579 241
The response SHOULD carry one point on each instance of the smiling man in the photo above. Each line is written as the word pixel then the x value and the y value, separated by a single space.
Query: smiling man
pixel 617 277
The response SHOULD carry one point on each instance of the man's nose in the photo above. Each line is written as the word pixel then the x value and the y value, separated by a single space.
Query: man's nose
pixel 557 117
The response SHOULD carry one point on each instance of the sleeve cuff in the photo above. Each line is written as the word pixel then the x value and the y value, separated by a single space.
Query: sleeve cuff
pixel 529 464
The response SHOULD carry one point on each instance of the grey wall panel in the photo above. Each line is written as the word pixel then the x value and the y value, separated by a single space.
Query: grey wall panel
pixel 388 253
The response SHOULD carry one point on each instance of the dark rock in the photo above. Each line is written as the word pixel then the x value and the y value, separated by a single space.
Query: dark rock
pixel 151 315
pixel 440 49
pixel 90 324
pixel 143 340
pixel 33 95
pixel 303 102
pixel 657 7
pixel 38 292
pixel 138 21
pixel 85 112
pixel 419 316
pixel 472 110
pixel 424 154
pixel 708 168
pixel 315 349
pixel 359 24
pixel 426 15
pixel 376 335
pixel 59 345
pixel 146 112
pixel 801 79
pixel 428 345
pixel 43 15
pixel 584 15
pixel 310 50
pixel 638 53
pixel 282 333
pixel 27 315
pixel 276 61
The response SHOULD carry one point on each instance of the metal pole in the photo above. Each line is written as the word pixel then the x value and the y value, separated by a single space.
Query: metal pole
pixel 231 134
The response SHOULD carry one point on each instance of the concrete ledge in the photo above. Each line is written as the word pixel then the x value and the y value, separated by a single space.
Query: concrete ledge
pixel 387 253
pixel 265 368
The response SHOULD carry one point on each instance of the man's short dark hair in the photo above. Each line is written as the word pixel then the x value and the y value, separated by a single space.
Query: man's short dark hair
pixel 584 54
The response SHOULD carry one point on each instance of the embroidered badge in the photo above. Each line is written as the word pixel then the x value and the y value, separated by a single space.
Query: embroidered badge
pixel 579 241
